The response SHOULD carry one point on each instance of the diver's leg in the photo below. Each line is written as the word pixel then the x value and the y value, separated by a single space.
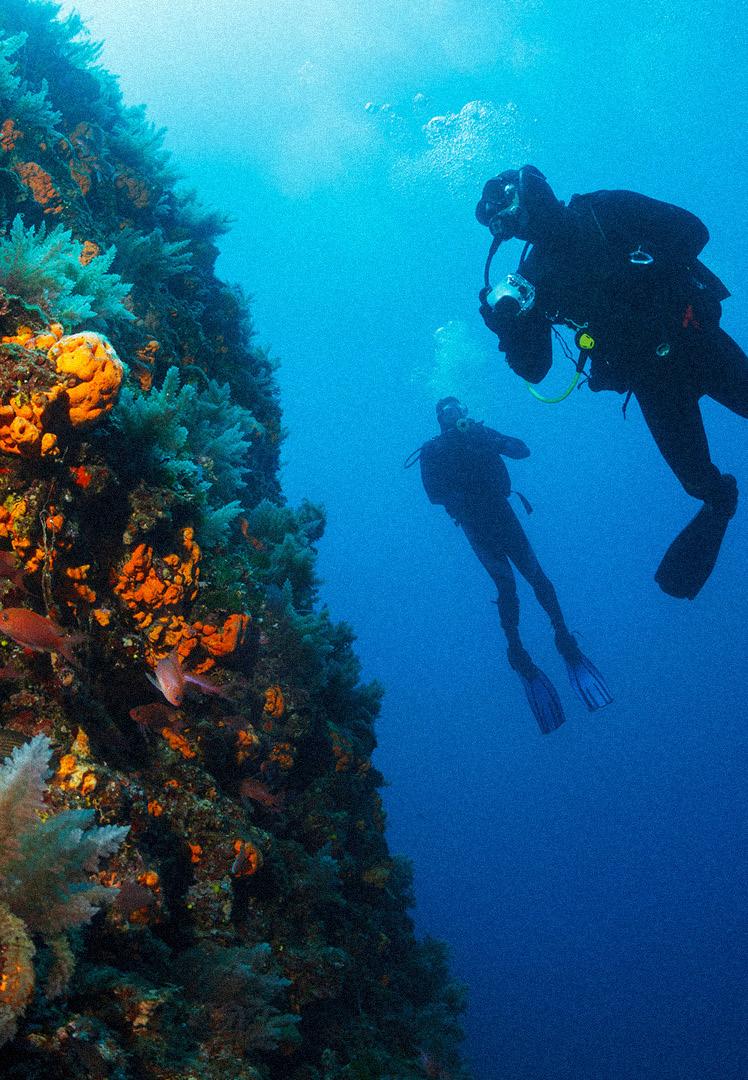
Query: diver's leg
pixel 497 566
pixel 507 603
pixel 725 374
pixel 584 677
pixel 520 552
pixel 671 412
pixel 539 690
pixel 495 562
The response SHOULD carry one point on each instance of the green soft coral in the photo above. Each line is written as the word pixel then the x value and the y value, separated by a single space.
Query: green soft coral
pixel 10 83
pixel 238 990
pixel 149 259
pixel 194 442
pixel 43 269
pixel 289 537
pixel 28 108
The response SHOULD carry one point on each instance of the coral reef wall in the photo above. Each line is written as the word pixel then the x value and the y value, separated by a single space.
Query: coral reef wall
pixel 194 879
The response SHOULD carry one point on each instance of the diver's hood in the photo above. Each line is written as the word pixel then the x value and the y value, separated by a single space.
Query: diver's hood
pixel 449 410
pixel 519 203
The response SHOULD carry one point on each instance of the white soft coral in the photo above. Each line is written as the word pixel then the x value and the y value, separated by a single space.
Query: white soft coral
pixel 45 868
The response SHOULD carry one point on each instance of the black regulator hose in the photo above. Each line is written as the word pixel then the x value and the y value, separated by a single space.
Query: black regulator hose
pixel 491 252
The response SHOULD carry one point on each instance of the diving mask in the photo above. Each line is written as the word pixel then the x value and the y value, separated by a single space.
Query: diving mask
pixel 500 224
pixel 500 200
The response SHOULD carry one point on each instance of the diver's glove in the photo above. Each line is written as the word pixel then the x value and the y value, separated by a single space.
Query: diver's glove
pixel 498 319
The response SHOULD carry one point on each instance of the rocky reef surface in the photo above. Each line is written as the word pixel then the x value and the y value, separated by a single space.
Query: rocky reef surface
pixel 194 876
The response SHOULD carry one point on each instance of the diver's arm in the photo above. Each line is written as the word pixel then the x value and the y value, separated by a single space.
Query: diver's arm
pixel 524 337
pixel 514 448
pixel 526 343
pixel 507 444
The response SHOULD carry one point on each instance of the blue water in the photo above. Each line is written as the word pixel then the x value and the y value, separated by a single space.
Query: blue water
pixel 591 884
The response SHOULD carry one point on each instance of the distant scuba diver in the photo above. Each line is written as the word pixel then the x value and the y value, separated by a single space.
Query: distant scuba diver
pixel 462 469
pixel 622 271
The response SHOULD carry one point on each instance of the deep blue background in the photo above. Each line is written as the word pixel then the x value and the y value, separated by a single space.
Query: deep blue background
pixel 591 884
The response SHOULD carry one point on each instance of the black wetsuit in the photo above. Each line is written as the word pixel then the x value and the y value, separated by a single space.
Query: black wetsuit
pixel 655 323
pixel 463 470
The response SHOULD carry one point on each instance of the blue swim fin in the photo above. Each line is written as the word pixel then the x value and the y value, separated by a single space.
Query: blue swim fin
pixel 539 690
pixel 587 682
pixel 543 700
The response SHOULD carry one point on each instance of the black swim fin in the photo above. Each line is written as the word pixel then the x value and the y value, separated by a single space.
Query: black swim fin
pixel 587 682
pixel 690 559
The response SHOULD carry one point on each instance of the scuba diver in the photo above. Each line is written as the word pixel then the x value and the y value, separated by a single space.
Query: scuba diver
pixel 463 470
pixel 622 271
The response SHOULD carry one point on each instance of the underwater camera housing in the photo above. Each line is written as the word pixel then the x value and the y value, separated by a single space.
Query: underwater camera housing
pixel 515 293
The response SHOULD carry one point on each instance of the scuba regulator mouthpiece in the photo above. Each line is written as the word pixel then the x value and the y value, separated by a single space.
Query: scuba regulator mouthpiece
pixel 450 410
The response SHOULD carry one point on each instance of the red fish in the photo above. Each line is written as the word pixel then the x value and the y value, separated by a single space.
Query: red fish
pixel 431 1066
pixel 36 632
pixel 156 715
pixel 10 671
pixel 258 792
pixel 132 897
pixel 205 685
pixel 170 678
pixel 233 723
pixel 11 570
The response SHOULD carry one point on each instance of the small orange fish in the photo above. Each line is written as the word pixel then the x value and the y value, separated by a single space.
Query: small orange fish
pixel 256 543
pixel 170 678
pixel 35 632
